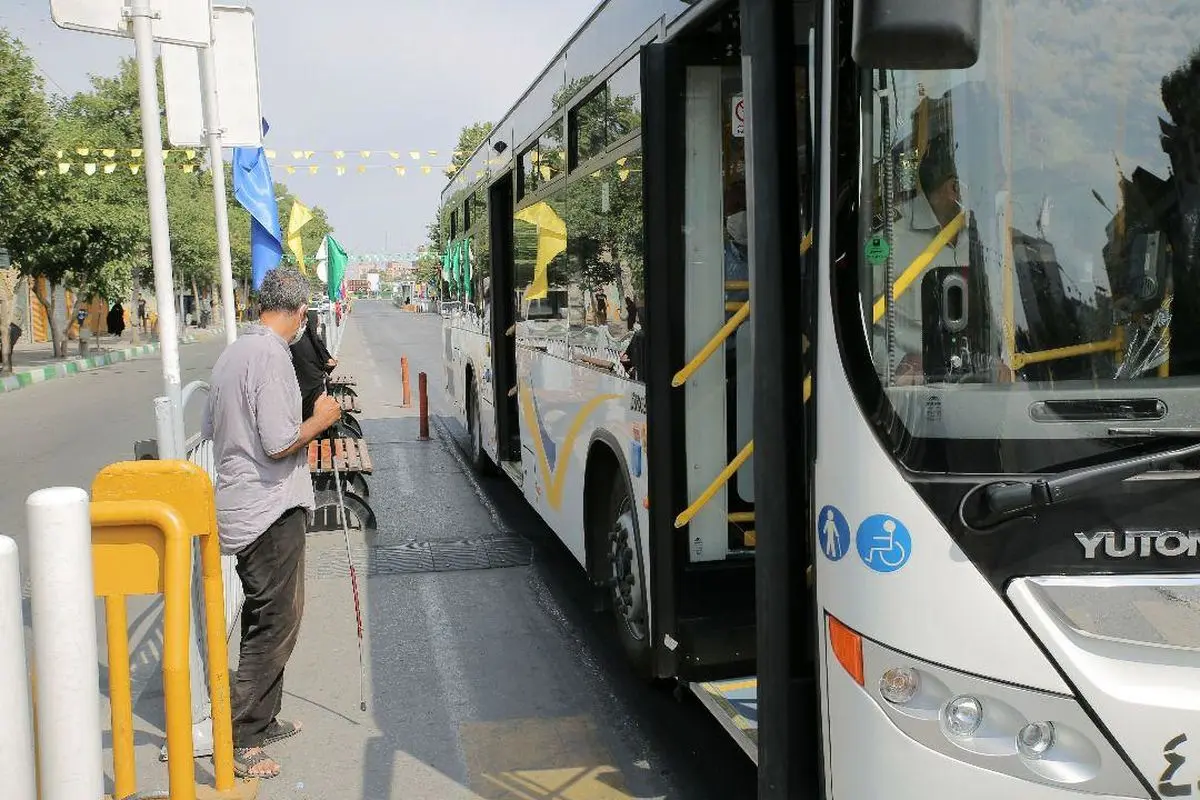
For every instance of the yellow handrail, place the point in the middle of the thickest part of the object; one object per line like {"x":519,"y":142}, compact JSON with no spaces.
{"x":919,"y":264}
{"x":686,"y":515}
{"x":1021,"y":360}
{"x":718,"y":338}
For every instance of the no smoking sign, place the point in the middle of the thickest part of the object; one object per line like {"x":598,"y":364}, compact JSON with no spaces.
{"x":739,"y":116}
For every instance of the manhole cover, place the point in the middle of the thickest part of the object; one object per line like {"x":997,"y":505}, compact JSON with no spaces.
{"x":445,"y":555}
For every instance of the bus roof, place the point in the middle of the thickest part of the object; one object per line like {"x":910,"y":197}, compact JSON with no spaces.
{"x":611,"y":28}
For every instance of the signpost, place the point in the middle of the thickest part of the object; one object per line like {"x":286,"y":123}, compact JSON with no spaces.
{"x":217,"y":104}
{"x":181,"y":22}
{"x":175,"y":21}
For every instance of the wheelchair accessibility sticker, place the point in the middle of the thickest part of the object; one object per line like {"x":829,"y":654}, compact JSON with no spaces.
{"x":833,"y":532}
{"x":884,"y":544}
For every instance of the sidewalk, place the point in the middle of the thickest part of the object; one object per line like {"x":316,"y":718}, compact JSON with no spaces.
{"x":35,"y":363}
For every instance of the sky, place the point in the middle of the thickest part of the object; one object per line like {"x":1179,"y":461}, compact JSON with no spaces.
{"x":378,"y":75}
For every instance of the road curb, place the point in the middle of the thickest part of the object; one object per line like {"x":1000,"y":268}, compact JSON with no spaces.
{"x":65,"y":369}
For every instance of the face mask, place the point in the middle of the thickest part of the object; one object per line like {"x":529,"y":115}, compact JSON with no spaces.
{"x":299,"y":334}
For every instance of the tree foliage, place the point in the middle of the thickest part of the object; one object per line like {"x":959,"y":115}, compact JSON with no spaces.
{"x":90,"y":232}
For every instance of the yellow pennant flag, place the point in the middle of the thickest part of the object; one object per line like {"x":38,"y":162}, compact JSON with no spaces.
{"x":297,"y":219}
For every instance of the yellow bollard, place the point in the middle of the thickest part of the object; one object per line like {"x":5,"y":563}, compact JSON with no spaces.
{"x":144,"y":517}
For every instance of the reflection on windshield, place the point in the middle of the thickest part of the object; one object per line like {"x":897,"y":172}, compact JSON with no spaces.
{"x":1036,"y":219}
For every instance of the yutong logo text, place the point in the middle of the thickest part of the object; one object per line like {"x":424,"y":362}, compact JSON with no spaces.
{"x":1140,"y":544}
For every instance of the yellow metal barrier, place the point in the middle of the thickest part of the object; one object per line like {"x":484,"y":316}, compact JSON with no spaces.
{"x":144,"y":517}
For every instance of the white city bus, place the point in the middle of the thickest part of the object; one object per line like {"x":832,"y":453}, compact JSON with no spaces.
{"x":976,"y":556}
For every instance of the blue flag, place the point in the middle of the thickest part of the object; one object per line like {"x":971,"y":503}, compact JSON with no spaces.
{"x":255,"y":191}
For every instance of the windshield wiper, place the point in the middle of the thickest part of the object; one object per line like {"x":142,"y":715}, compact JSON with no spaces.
{"x":995,"y":503}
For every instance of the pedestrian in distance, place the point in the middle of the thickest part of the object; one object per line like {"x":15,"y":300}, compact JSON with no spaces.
{"x":116,"y":319}
{"x":312,"y":363}
{"x":264,"y":495}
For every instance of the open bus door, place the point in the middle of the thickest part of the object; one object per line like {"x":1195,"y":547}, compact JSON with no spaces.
{"x":782,"y":295}
{"x":698,"y":208}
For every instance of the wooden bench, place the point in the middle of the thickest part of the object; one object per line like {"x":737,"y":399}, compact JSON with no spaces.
{"x":342,"y":380}
{"x":347,"y":459}
{"x":348,"y":403}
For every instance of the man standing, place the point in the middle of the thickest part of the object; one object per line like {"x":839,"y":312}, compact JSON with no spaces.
{"x":264,"y":494}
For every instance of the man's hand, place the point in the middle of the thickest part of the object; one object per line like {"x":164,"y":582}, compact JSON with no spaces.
{"x":326,"y":411}
{"x":332,"y":363}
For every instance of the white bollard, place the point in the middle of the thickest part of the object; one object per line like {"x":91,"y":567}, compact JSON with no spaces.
{"x":16,"y":723}
{"x":70,"y":744}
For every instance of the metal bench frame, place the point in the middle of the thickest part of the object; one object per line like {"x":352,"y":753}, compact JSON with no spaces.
{"x":353,"y":464}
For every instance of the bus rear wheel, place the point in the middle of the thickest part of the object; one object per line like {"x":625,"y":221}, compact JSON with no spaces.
{"x":627,"y":577}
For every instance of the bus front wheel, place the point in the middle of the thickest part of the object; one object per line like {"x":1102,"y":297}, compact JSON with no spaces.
{"x":627,"y":577}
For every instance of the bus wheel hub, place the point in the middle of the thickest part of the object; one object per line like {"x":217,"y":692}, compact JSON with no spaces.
{"x":627,"y":592}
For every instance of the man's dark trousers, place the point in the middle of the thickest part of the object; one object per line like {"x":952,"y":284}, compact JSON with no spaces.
{"x":272,"y":573}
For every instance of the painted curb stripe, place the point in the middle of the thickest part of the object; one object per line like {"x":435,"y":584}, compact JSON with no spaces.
{"x":73,"y":367}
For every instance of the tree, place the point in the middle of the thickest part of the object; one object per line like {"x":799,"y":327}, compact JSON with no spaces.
{"x":469,"y":140}
{"x":24,"y":142}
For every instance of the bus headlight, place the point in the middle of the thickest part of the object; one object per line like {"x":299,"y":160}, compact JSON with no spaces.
{"x":962,"y":716}
{"x":899,"y":685}
{"x":1035,"y":740}
{"x":1030,"y":734}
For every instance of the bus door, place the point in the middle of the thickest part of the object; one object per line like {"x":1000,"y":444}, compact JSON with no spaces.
{"x":717,"y":375}
{"x":503,"y":330}
{"x":714,"y":379}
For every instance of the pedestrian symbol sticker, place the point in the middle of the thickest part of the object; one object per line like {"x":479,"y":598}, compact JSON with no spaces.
{"x":883,"y":543}
{"x":833,"y":532}
{"x":877,"y":250}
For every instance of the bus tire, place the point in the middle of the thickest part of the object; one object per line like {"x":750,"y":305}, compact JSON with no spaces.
{"x":627,"y":576}
{"x":480,"y":461}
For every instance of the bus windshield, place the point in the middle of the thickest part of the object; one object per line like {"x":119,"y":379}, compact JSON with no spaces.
{"x":1030,"y":232}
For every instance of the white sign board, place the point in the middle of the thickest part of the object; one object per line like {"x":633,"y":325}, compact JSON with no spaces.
{"x":235,"y":57}
{"x":179,"y":21}
{"x":739,"y":117}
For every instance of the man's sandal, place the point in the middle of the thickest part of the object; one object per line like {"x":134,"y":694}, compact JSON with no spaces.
{"x":245,"y":761}
{"x":280,"y":729}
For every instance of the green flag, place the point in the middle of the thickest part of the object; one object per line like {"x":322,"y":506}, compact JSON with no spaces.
{"x":466,"y":249}
{"x":337,"y":267}
{"x":455,"y":265}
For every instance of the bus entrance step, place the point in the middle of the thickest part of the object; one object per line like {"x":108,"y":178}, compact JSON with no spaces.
{"x":513,"y":470}
{"x":734,"y":703}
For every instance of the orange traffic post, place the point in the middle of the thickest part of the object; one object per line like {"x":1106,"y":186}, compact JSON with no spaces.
{"x":423,"y":398}
{"x":407,"y":401}
{"x":145,"y":516}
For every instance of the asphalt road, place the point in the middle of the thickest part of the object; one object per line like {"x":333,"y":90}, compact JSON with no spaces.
{"x":62,"y":432}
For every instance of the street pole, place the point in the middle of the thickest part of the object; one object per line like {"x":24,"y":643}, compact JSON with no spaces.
{"x":212,"y":129}
{"x":160,"y":237}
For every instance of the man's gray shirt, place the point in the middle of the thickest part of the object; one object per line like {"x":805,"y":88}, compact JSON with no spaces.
{"x":254,"y":410}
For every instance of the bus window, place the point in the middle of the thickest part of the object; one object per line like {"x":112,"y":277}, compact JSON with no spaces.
{"x":603,"y":209}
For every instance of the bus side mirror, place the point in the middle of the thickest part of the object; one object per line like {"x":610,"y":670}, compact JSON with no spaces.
{"x":916,"y":34}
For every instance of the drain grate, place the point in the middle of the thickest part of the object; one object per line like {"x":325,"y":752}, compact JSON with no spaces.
{"x":439,"y":555}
